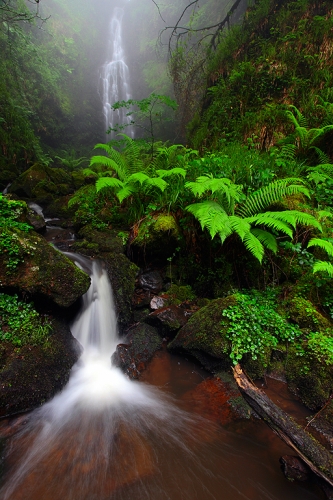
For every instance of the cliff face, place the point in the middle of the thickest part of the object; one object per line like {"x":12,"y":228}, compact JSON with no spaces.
{"x":280,"y":55}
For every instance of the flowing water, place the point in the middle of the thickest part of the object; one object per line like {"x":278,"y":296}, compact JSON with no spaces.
{"x":105,"y":437}
{"x":115,"y":78}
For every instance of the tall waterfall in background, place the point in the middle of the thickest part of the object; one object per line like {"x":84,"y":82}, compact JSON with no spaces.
{"x":115,"y":80}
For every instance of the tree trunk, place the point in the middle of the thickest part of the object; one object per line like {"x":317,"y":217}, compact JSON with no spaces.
{"x":318,"y":459}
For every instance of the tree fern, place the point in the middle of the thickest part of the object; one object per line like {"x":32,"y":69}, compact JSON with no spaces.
{"x":324,"y":244}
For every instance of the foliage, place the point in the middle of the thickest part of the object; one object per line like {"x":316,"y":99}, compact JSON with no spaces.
{"x":228,"y":211}
{"x":145,"y":114}
{"x":327,"y":246}
{"x":254,"y":327}
{"x":20,"y":323}
{"x":320,"y":345}
{"x":11,"y":212}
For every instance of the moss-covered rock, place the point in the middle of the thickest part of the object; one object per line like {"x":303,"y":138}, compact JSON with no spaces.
{"x":122,"y":273}
{"x":202,"y":336}
{"x":41,"y":183}
{"x":41,"y":271}
{"x":302,"y":312}
{"x":310,"y":378}
{"x":107,"y":240}
{"x":31,"y":375}
{"x":158,"y":236}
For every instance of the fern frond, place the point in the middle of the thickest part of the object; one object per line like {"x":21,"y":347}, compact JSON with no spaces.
{"x":104,"y":160}
{"x":108,"y":182}
{"x":210,"y":215}
{"x":172,"y":171}
{"x":87,"y":172}
{"x":156,"y":182}
{"x":270,"y":194}
{"x":323,"y":157}
{"x":266,"y":238}
{"x":254,"y":246}
{"x":323,"y":266}
{"x":106,"y":147}
{"x":126,"y":191}
{"x":137,"y":177}
{"x":270,"y":219}
{"x":324,"y":244}
{"x":239,"y":226}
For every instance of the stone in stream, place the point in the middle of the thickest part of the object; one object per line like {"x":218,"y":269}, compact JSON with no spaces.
{"x":139,"y":346}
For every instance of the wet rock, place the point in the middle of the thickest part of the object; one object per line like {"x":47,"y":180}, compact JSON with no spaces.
{"x":141,"y":298}
{"x":42,"y":271}
{"x":151,"y":281}
{"x":158,"y":302}
{"x":37,"y":221}
{"x":169,"y":319}
{"x":31,"y":375}
{"x":294,"y":468}
{"x":107,"y":241}
{"x":122,"y":273}
{"x":139,"y":346}
{"x":201,"y":336}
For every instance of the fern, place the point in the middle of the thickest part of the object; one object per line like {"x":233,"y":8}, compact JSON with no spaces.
{"x":323,"y":266}
{"x":324,"y":244}
{"x":273,"y":192}
{"x":108,"y":182}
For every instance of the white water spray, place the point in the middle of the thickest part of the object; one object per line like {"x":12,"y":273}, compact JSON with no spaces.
{"x":115,"y":79}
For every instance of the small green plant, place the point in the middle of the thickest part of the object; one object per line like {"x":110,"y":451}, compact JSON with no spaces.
{"x":10,"y":224}
{"x":254,"y":327}
{"x":20,"y":323}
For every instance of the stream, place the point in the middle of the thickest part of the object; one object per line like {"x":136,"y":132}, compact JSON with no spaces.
{"x":105,"y":437}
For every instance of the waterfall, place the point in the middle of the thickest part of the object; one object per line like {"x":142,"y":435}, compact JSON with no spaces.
{"x":103,"y":431}
{"x":115,"y":80}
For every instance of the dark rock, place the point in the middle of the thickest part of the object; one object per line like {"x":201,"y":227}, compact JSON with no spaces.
{"x":37,"y":221}
{"x":141,"y":298}
{"x":31,"y":375}
{"x":107,"y":241}
{"x":122,"y":273}
{"x":294,"y":468}
{"x":201,"y":336}
{"x":151,"y":280}
{"x":138,"y":348}
{"x":43,"y":272}
{"x":169,"y":319}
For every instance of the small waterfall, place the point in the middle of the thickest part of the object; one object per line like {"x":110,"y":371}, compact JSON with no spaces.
{"x":115,"y":80}
{"x":103,"y":432}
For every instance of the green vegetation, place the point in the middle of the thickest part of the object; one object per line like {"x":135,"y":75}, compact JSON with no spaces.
{"x":11,"y":212}
{"x":20,"y":323}
{"x":254,"y":327}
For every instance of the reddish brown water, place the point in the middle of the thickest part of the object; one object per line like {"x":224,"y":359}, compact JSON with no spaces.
{"x":234,"y":461}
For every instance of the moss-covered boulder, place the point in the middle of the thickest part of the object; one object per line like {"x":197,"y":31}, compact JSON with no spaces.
{"x":201,"y":337}
{"x":42,"y":183}
{"x":302,"y":312}
{"x":156,"y":236}
{"x":32,"y":374}
{"x":104,"y":240}
{"x":28,"y":264}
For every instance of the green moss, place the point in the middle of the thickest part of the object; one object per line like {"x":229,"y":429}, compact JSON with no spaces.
{"x":303,"y":312}
{"x":152,"y":229}
{"x":180,"y":293}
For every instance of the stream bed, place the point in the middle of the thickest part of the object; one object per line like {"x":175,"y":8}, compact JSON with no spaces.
{"x":105,"y":437}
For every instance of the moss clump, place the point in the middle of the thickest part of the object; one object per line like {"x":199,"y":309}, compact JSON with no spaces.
{"x":154,"y":229}
{"x":180,"y":293}
{"x":303,"y":312}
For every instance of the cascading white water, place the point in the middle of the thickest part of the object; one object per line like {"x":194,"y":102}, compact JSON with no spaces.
{"x":96,"y":436}
{"x":115,"y":78}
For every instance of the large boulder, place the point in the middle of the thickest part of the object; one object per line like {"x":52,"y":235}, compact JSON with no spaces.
{"x":32,"y":374}
{"x":40,"y":270}
{"x":42,"y":183}
{"x":201,"y":337}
